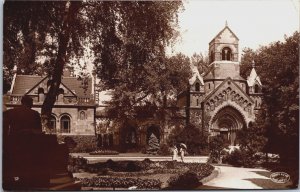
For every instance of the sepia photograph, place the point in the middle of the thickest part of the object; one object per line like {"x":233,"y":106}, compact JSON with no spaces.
{"x":150,"y":95}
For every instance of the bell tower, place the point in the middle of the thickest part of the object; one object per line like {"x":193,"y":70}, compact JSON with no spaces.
{"x":223,"y":54}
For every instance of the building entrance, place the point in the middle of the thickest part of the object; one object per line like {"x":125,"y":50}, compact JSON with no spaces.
{"x":227,"y":122}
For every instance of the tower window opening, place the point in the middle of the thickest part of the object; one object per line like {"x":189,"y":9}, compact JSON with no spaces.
{"x":197,"y":87}
{"x":226,"y":54}
{"x":256,"y":89}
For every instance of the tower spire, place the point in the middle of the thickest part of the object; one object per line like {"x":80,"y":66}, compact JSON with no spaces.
{"x":226,"y":24}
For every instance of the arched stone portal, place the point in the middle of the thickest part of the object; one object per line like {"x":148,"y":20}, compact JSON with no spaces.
{"x":227,"y":122}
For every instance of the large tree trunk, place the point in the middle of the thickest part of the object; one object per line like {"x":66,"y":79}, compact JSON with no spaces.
{"x":72,"y":8}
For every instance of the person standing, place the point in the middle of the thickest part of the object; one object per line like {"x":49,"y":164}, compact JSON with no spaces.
{"x":175,"y":153}
{"x":181,"y":151}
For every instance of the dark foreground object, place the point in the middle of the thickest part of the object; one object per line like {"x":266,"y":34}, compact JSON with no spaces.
{"x":36,"y":162}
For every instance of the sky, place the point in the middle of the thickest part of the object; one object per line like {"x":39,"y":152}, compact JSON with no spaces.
{"x":255,"y":22}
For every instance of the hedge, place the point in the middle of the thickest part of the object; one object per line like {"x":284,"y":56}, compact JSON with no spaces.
{"x":82,"y":143}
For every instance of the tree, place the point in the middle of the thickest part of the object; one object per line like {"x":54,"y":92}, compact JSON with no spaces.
{"x":127,"y":40}
{"x":201,"y":62}
{"x":153,"y":144}
{"x":191,"y":136}
{"x":278,"y":67}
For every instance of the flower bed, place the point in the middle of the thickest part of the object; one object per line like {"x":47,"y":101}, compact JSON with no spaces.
{"x":120,"y":182}
{"x":104,"y":152}
{"x":129,"y":173}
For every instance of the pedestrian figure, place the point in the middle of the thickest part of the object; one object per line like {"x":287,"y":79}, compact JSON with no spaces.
{"x":181,"y":151}
{"x":175,"y":153}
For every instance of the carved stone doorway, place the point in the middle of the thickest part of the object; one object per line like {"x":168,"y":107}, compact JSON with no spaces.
{"x":227,"y":122}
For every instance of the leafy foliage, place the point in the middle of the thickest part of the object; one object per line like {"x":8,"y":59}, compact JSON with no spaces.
{"x":153,"y":145}
{"x":278,"y":67}
{"x":127,"y":42}
{"x":187,"y":180}
{"x":216,"y":145}
{"x":191,"y":135}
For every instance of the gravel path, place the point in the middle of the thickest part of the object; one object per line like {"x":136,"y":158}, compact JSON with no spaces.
{"x":243,"y":178}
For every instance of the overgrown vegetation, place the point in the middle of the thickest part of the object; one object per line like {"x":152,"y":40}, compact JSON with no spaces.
{"x":190,"y":135}
{"x":278,"y":67}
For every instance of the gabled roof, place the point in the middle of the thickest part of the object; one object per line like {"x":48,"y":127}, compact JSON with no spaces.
{"x":25,"y":83}
{"x":196,"y":75}
{"x":253,"y":77}
{"x":221,"y":85}
{"x":226,"y":27}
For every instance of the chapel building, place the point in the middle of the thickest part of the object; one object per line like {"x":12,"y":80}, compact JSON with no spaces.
{"x":221,"y":101}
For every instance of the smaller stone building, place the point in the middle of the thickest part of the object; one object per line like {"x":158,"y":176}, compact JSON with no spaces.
{"x":74,"y":110}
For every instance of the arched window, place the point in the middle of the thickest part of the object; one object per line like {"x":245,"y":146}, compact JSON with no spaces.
{"x":82,"y":115}
{"x":197,"y":102}
{"x":52,"y":122}
{"x":226,"y":54}
{"x":197,"y":87}
{"x":208,"y":85}
{"x":65,"y":124}
{"x":41,"y":94}
{"x":256,"y":89}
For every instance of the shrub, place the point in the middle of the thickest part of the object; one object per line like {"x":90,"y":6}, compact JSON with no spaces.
{"x":104,"y":152}
{"x":120,"y":182}
{"x":164,"y":150}
{"x":83,"y":143}
{"x":133,"y":166}
{"x":195,"y":140}
{"x":216,"y":145}
{"x":153,"y":145}
{"x":187,"y":180}
{"x":76,"y":164}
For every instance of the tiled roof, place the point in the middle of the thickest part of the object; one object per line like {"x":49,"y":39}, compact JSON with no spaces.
{"x":24,"y":83}
{"x":76,"y":86}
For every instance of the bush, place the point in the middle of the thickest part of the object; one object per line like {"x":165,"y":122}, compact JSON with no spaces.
{"x":120,"y":182}
{"x":153,"y":145}
{"x":82,"y":143}
{"x":187,"y":180}
{"x":104,"y":152}
{"x":164,"y":150}
{"x":76,"y":164}
{"x":195,"y":140}
{"x":241,"y":157}
{"x":216,"y":145}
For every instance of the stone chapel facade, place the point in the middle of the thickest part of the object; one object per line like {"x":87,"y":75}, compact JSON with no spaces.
{"x":221,"y":101}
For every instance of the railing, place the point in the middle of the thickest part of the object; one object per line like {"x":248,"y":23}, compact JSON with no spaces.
{"x":15,"y":99}
{"x":85,"y":100}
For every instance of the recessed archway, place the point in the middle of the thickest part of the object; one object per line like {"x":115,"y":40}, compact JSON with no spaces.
{"x":227,"y":122}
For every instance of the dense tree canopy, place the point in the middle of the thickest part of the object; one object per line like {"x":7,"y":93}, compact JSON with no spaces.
{"x":128,"y":41}
{"x":278,"y":67}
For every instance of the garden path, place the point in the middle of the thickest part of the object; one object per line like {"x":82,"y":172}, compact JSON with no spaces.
{"x":137,"y":157}
{"x":243,"y":178}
